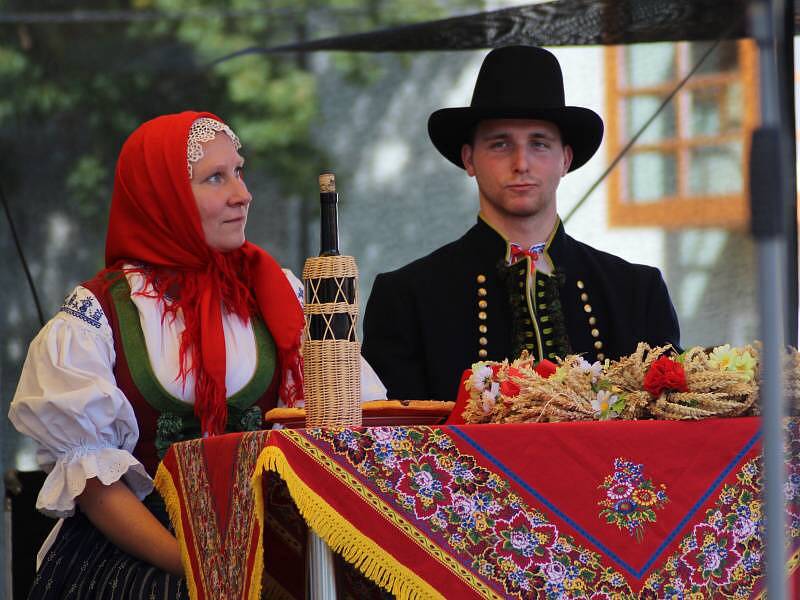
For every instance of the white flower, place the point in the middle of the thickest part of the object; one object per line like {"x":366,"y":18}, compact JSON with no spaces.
{"x":489,"y":398}
{"x":595,"y":369}
{"x":480,"y":377}
{"x":603,"y":404}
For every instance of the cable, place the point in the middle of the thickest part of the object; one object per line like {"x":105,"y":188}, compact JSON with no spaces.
{"x":21,"y":256}
{"x":127,"y":16}
{"x":652,"y":117}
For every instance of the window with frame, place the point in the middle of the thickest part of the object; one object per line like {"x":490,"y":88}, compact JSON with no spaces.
{"x":689,"y":167}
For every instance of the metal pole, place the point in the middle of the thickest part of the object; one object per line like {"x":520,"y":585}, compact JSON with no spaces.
{"x":768,"y":199}
{"x":786,"y":65}
{"x":320,"y":571}
{"x":6,"y":574}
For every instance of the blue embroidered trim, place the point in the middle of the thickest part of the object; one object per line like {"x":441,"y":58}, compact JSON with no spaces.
{"x":84,"y":308}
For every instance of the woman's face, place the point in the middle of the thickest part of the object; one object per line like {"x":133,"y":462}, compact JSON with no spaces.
{"x":221,"y":194}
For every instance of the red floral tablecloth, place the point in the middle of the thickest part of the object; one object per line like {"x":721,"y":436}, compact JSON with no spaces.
{"x":646,"y":509}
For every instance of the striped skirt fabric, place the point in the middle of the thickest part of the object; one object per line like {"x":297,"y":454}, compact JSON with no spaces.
{"x":82,"y":565}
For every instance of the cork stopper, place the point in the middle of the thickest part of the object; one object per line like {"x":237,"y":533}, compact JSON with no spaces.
{"x":327,"y":182}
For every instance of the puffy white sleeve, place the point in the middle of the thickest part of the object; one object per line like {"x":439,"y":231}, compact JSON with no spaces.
{"x":371,"y":386}
{"x":68,"y":402}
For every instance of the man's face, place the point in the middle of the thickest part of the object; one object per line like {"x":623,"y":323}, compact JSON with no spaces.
{"x":518,"y":164}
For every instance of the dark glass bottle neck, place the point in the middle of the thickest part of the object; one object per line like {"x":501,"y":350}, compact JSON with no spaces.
{"x":329,"y":224}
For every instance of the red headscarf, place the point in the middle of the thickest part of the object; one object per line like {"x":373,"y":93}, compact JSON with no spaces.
{"x":155,"y":221}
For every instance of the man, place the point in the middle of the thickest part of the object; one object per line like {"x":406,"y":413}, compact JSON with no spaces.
{"x":515,"y":281}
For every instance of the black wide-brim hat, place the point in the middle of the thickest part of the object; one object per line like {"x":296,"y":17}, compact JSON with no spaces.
{"x":518,"y":82}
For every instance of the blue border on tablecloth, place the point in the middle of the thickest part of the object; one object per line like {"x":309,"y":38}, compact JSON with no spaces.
{"x":552,"y":507}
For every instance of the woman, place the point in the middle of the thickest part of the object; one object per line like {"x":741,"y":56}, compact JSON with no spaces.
{"x":189,"y":330}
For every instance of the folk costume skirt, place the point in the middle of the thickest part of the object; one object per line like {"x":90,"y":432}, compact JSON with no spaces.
{"x":83,"y":564}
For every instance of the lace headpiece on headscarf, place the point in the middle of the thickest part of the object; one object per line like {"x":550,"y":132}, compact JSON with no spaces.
{"x":204,"y":130}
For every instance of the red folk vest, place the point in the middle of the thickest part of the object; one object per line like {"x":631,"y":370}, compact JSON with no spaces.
{"x":162,"y":418}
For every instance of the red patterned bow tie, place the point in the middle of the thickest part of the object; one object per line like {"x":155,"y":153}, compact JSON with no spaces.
{"x":518,"y":253}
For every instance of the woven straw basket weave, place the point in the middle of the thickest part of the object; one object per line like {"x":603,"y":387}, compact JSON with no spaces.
{"x":332,"y":377}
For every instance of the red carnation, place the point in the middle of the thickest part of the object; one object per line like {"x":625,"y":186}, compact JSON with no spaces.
{"x":545,"y":368}
{"x":509,"y":389}
{"x":665,"y":375}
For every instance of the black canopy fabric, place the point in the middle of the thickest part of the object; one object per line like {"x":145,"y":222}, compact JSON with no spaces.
{"x":561,"y":23}
{"x":593,"y":22}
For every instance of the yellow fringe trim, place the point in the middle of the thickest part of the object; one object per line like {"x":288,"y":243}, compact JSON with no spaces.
{"x":258,"y":564}
{"x":166,"y":487}
{"x":356,"y":548}
{"x":376,"y":564}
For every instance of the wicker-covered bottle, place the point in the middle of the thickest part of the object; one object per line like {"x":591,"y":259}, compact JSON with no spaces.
{"x":331,"y":350}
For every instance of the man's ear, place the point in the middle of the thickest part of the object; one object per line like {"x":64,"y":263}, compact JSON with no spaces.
{"x":567,"y":159}
{"x":466,"y":158}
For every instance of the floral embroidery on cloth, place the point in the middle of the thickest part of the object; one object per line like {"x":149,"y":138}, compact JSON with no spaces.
{"x":475,"y":514}
{"x":82,"y":304}
{"x":472,"y":522}
{"x":472,"y":512}
{"x":723,"y":554}
{"x":631,"y":500}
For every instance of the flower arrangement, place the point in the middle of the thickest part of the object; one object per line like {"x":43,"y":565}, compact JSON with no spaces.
{"x":649,"y":383}
{"x":631,"y":499}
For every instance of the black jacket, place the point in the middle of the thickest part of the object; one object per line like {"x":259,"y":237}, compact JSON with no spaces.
{"x":431,"y":319}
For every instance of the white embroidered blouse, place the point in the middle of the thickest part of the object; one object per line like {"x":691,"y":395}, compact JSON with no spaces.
{"x":67,"y":399}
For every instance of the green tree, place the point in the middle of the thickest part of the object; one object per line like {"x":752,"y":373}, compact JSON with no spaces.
{"x":76,"y":81}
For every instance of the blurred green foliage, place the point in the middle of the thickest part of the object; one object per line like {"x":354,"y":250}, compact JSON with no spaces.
{"x":72,"y":91}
